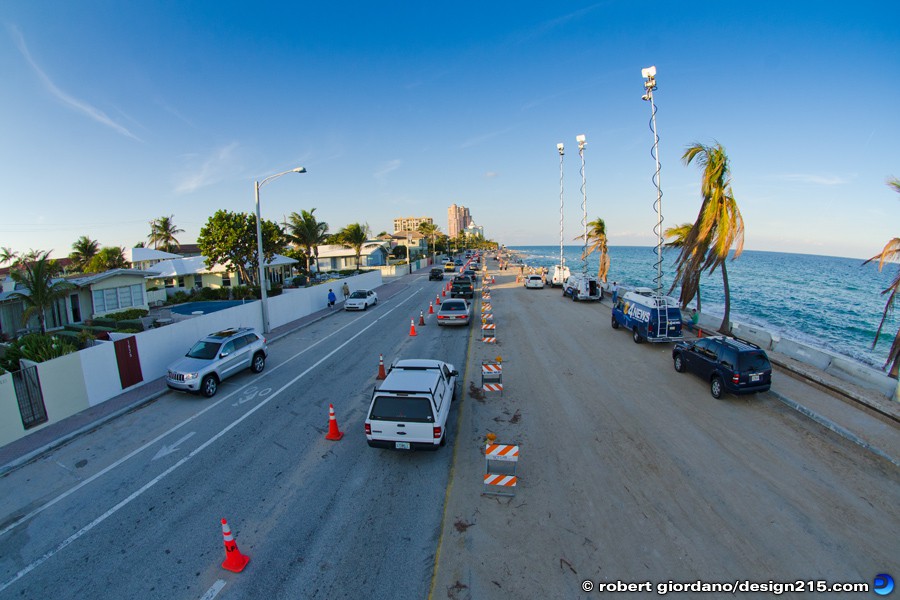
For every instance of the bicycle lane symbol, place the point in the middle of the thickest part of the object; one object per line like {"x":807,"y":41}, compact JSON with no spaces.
{"x":252,"y":393}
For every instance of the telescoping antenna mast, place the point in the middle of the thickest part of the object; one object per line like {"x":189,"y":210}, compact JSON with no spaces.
{"x":581,"y":144}
{"x":562,"y":260}
{"x":649,"y":75}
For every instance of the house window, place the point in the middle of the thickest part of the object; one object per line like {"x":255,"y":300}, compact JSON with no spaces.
{"x":181,"y":282}
{"x":198,"y":281}
{"x":226,"y":280}
{"x":112,"y":299}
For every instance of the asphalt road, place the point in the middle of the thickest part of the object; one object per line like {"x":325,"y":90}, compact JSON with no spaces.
{"x":632,"y":472}
{"x":134,"y":509}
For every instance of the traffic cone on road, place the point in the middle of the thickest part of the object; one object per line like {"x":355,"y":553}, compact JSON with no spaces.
{"x":412,"y":328}
{"x":334,"y":434}
{"x":234,"y":560}
{"x":421,"y":318}
{"x":437,"y":300}
{"x":444,"y":293}
{"x":430,"y":308}
{"x":381,"y":373}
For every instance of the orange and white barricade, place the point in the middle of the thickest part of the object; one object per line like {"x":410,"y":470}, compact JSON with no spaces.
{"x":500,"y":469}
{"x":492,"y":377}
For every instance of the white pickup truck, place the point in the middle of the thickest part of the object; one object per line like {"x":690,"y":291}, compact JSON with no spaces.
{"x":409,"y":410}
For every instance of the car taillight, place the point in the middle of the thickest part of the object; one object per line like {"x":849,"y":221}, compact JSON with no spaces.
{"x":437,"y":433}
{"x":441,"y":317}
{"x":368,"y":429}
{"x":735,"y":378}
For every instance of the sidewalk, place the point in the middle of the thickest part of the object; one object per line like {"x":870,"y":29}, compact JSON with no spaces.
{"x":52,"y":436}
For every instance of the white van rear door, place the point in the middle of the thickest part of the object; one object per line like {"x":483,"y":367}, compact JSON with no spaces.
{"x":402,"y":418}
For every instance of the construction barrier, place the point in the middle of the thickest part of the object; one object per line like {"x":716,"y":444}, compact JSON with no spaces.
{"x":488,"y":327}
{"x":492,"y":377}
{"x":486,"y":307}
{"x":500,"y":462}
{"x":489,"y":340}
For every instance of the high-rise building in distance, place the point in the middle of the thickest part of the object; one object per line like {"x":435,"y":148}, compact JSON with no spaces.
{"x":410,"y":223}
{"x":458,"y":218}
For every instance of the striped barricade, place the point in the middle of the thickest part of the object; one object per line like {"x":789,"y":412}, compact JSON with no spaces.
{"x":492,"y":377}
{"x":500,"y":469}
{"x":488,"y":327}
{"x":486,"y":307}
{"x":487,"y":317}
{"x":489,"y":339}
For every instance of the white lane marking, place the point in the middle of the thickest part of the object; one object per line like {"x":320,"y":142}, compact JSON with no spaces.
{"x":214,"y":590}
{"x":137,"y":493}
{"x":161,"y":436}
{"x":167,"y":450}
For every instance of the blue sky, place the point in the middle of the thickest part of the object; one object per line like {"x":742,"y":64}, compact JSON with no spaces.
{"x":115,"y":113}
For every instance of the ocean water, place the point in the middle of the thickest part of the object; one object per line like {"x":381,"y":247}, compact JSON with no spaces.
{"x":824,"y":301}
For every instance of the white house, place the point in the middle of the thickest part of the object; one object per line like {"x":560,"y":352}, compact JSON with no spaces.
{"x":334,"y":257}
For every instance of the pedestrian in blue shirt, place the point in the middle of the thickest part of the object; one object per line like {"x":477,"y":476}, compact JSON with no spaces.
{"x":331,"y":299}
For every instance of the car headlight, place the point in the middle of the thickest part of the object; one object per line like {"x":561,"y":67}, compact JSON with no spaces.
{"x":191,"y":376}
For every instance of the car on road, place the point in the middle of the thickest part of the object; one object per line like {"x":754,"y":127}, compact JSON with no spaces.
{"x":409,"y":410}
{"x":457,"y":262}
{"x":728,"y":364}
{"x":455,"y":311}
{"x":436,"y":274}
{"x":361,"y":299}
{"x":215,"y":358}
{"x":462,"y":287}
{"x":471,"y":274}
{"x":449,"y":266}
{"x":534,"y":282}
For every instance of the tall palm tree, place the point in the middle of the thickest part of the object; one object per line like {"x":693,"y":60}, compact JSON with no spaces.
{"x":8,"y":255}
{"x":430,"y":230}
{"x":83,"y":250}
{"x":307,"y":232}
{"x":677,"y":236}
{"x":162,"y":234}
{"x":37,"y":277}
{"x":718,"y":227}
{"x":355,"y":235}
{"x":890,"y":253}
{"x":596,"y":238}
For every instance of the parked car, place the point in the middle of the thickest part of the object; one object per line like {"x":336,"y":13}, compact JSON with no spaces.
{"x":436,"y":274}
{"x":728,"y":364}
{"x":454,"y":312}
{"x":217,"y":357}
{"x":361,"y":299}
{"x":409,"y":410}
{"x":534,"y":282}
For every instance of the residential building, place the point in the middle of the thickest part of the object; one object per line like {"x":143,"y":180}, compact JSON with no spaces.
{"x":191,"y":272}
{"x":458,"y":218}
{"x":410,"y":223}
{"x":474,"y":230}
{"x":335,"y":257}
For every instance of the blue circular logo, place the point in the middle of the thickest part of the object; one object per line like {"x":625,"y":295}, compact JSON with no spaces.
{"x":883,"y":584}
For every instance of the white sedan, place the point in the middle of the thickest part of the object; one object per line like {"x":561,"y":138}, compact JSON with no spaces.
{"x":534,"y":281}
{"x":361,"y":299}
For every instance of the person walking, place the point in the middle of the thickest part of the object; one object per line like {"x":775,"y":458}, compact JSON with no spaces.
{"x":331,"y":298}
{"x":345,"y":289}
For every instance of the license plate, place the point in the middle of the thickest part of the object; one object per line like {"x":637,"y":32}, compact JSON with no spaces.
{"x":401,"y":445}
{"x":754,"y":378}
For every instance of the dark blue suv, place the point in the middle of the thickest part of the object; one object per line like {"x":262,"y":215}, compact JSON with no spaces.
{"x":728,"y":364}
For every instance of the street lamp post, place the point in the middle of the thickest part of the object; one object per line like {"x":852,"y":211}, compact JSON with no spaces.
{"x":408,"y":261}
{"x":263,"y":296}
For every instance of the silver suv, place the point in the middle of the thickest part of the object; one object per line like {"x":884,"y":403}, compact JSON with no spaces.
{"x":217,"y":357}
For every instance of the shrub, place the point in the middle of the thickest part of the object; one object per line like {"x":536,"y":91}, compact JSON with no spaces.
{"x":243,"y":292}
{"x":36,"y":347}
{"x":180,"y":297}
{"x":125,"y":315}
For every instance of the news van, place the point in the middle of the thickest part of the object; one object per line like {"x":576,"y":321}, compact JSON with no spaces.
{"x":560,"y":275}
{"x":649,"y":316}
{"x":580,"y":287}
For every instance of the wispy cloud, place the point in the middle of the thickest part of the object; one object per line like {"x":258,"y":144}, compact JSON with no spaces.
{"x":79,"y":105}
{"x":387,"y":168}
{"x":222,"y":163}
{"x":480,"y":139}
{"x":491,"y":174}
{"x":815,"y":179}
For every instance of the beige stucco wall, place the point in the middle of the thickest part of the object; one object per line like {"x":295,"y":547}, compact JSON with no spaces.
{"x":11,"y":427}
{"x":62,"y":382}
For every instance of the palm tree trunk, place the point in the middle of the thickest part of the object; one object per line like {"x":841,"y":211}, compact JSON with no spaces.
{"x":698,"y":294}
{"x":725,"y":327}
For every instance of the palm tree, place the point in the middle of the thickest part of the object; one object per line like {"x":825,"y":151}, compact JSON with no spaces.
{"x":37,"y":276}
{"x":83,"y":250}
{"x":596,"y":238}
{"x":355,"y":235}
{"x":678,"y":235}
{"x":718,"y":227}
{"x":305,"y":231}
{"x":107,"y":259}
{"x":162,"y":234}
{"x":430,"y":230}
{"x":8,"y":255}
{"x":890,"y":253}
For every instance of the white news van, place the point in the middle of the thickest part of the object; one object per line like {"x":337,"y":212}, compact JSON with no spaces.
{"x":560,"y":276}
{"x":580,"y":287}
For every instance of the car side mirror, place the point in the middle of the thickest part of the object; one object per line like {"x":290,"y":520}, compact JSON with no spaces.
{"x":224,"y":354}
{"x":454,"y":373}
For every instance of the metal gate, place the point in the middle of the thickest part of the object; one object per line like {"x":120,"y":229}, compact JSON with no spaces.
{"x":30,"y":397}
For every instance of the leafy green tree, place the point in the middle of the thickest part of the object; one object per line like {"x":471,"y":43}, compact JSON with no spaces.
{"x":83,"y":251}
{"x":162,"y":234}
{"x":37,"y":276}
{"x":354,"y":236}
{"x":890,"y":253}
{"x":718,"y":227}
{"x":597,"y":241}
{"x":677,"y":235}
{"x":306,"y":231}
{"x":430,"y":230}
{"x":36,"y":347}
{"x":107,"y":259}
{"x":8,"y":255}
{"x":229,"y":239}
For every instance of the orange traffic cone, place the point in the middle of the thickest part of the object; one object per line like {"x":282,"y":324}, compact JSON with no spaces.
{"x":381,"y":373}
{"x":412,"y":328}
{"x":234,"y":560}
{"x":430,"y":308}
{"x":444,"y":293}
{"x":334,"y":434}
{"x":437,"y":299}
{"x":421,"y":318}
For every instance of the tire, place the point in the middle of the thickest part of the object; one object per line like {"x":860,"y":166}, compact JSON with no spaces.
{"x":209,"y":386}
{"x":365,"y":306}
{"x":636,"y":336}
{"x":444,"y":439}
{"x":375,"y":303}
{"x":258,"y":363}
{"x":615,"y":324}
{"x":717,"y":387}
{"x":678,"y":363}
